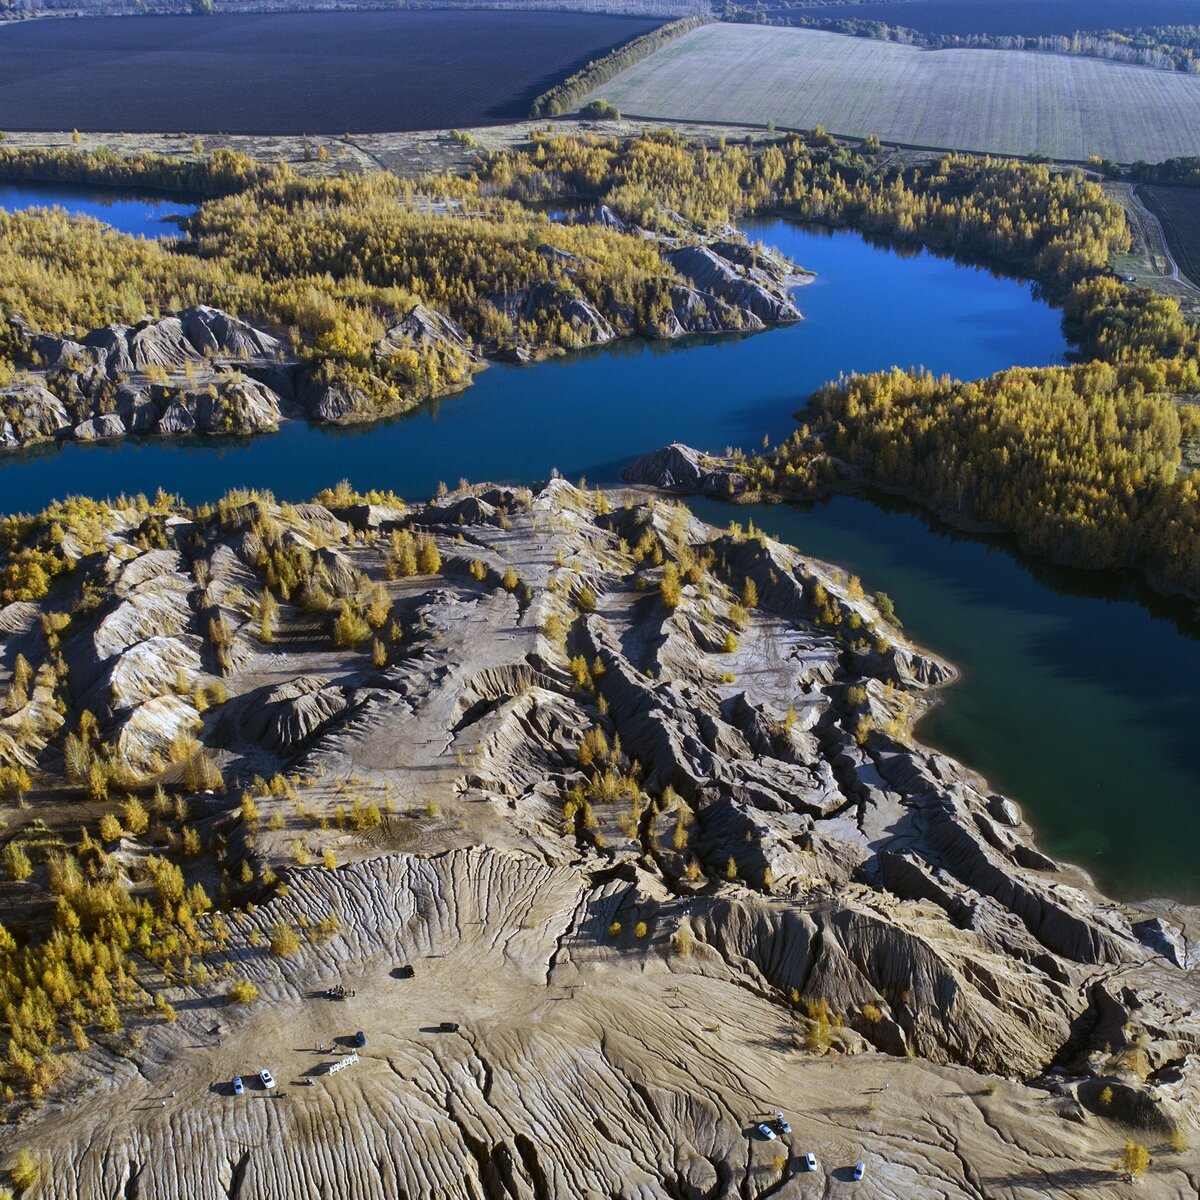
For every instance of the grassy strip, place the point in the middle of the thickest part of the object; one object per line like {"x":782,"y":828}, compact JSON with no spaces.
{"x":563,"y":96}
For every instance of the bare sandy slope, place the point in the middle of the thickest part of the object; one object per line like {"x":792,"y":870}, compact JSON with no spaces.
{"x":638,"y":980}
{"x":1009,"y":102}
{"x":577,"y":1070}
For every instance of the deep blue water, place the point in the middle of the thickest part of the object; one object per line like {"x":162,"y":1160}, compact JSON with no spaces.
{"x":141,"y":215}
{"x":1078,"y":693}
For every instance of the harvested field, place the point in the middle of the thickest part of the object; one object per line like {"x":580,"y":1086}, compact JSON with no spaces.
{"x":1003,"y":101}
{"x":1178,"y":208}
{"x":1024,"y":18}
{"x":293,"y":72}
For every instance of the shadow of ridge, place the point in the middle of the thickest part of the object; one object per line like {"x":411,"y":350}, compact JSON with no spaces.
{"x":1068,"y":1177}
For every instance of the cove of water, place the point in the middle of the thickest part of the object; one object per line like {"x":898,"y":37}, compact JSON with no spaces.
{"x":145,"y":216}
{"x":1077,"y":696}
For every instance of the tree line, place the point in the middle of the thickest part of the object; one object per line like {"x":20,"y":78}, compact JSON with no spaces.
{"x":215,"y":174}
{"x":565,"y":95}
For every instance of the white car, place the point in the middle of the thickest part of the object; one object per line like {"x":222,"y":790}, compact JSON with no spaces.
{"x":266,"y":1079}
{"x":766,"y":1131}
{"x":860,"y":1169}
{"x":238,"y":1089}
{"x":810,"y":1161}
{"x":782,"y":1122}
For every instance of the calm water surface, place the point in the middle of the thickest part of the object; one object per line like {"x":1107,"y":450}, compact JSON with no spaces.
{"x":146,"y":216}
{"x":1077,"y":698}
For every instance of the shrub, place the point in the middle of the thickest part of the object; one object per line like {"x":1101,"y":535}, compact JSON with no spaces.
{"x":134,"y":816}
{"x":14,"y":782}
{"x":614,"y":929}
{"x":97,"y":781}
{"x":600,"y":110}
{"x":16,"y":863}
{"x":1135,"y":1159}
{"x":669,"y":587}
{"x":641,"y":929}
{"x":242,"y":992}
{"x":555,"y":629}
{"x":350,"y":630}
{"x":887,"y":610}
{"x":679,"y":839}
{"x":25,"y":1170}
{"x":285,"y":941}
{"x":201,"y":774}
{"x":429,"y":559}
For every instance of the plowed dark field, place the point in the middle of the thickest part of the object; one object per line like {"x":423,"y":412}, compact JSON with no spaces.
{"x":356,"y":72}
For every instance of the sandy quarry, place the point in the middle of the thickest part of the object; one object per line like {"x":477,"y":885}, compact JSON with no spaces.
{"x":983,"y":994}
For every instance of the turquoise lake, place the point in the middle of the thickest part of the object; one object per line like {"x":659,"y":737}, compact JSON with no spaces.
{"x":1078,"y":691}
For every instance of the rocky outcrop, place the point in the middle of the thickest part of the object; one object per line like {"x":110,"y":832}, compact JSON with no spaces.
{"x":30,"y":414}
{"x":213,"y":333}
{"x":743,"y":287}
{"x":99,"y":429}
{"x":679,"y":468}
{"x":197,"y":336}
{"x":284,"y":718}
{"x":563,"y":303}
{"x":176,"y":375}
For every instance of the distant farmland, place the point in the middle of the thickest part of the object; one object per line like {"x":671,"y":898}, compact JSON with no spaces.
{"x":1005,"y":101}
{"x":1030,"y":18}
{"x":328,"y":72}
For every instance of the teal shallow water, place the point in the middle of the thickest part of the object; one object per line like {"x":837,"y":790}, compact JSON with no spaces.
{"x":1078,"y":692}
